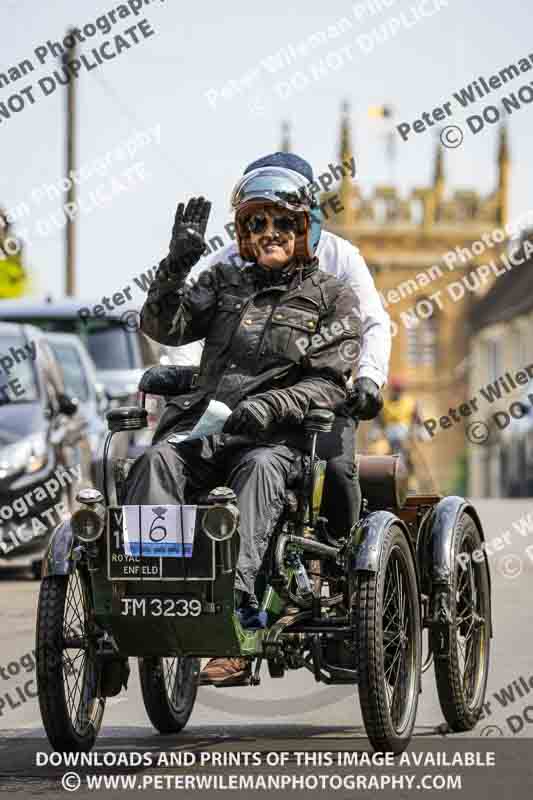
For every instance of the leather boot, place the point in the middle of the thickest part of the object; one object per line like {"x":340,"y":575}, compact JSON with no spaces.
{"x":226,"y":672}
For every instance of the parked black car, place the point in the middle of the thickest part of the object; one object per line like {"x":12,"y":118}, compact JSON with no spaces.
{"x":79,"y":375}
{"x":120,"y":351}
{"x":45,"y":456}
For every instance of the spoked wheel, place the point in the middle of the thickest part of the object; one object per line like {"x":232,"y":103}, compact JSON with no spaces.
{"x":66,"y":663}
{"x":169,"y":687}
{"x":462,"y":675}
{"x":386,"y":615}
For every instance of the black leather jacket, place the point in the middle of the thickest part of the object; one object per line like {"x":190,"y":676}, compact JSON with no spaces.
{"x":288,"y":338}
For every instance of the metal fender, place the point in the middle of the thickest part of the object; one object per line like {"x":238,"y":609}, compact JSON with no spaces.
{"x":436,"y":542}
{"x":436,"y":539}
{"x":58,"y":560}
{"x":366,"y":541}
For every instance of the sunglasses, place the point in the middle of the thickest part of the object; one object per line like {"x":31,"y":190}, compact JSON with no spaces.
{"x":258,"y":223}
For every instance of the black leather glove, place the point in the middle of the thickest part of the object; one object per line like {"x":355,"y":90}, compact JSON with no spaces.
{"x":187,"y":243}
{"x":250,"y":418}
{"x":365,"y":400}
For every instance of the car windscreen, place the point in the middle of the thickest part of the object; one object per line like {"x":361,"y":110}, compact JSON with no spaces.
{"x":74,"y":375}
{"x":17,"y":371}
{"x":110,"y":347}
{"x":110,"y":343}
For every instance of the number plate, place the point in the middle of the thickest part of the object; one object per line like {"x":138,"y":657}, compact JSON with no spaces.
{"x":160,"y":607}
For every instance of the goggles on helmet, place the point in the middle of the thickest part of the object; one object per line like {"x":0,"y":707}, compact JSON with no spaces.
{"x":278,"y":185}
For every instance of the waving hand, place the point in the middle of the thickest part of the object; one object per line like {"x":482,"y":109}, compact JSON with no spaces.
{"x":187,"y":243}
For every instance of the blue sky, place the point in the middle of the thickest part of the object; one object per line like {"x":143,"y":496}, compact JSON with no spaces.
{"x":167,"y":80}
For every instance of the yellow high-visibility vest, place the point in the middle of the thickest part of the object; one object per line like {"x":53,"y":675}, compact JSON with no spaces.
{"x":13,"y":277}
{"x":399,"y":412}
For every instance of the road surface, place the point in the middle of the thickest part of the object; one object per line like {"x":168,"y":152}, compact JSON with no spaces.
{"x":293,"y":715}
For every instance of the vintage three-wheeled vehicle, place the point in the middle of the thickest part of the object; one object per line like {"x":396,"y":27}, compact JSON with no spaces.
{"x":350,"y":610}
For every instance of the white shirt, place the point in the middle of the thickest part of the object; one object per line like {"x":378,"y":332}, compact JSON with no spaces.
{"x":342,"y":259}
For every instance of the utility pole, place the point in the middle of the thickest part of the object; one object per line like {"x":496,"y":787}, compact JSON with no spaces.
{"x":70,"y":228}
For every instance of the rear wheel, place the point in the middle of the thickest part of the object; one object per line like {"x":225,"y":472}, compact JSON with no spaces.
{"x":66,"y":663}
{"x":462,"y":674}
{"x":386,"y":615}
{"x":169,"y":687}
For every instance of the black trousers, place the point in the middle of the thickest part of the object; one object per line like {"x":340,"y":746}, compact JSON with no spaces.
{"x":341,"y":502}
{"x":259,"y":475}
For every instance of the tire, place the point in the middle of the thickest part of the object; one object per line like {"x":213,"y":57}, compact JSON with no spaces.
{"x":389,"y":714}
{"x":70,"y":708}
{"x":169,"y":687}
{"x":470,"y":592}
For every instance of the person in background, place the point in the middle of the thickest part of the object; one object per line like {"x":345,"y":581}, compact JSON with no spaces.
{"x":401,"y":419}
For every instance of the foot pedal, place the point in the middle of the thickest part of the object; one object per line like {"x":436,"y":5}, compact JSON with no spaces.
{"x":245,"y":680}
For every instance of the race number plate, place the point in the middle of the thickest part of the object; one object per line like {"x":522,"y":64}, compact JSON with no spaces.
{"x":165,"y":531}
{"x":160,"y":607}
{"x":122,"y":566}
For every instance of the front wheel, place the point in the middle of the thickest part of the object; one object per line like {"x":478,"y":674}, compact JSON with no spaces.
{"x":386,"y":615}
{"x":67,"y":675}
{"x":169,"y":687}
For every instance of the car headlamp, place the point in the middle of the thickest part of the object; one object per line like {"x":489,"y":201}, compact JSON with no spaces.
{"x":220,"y":522}
{"x":88,"y":522}
{"x":27,"y":455}
{"x":222,"y":517}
